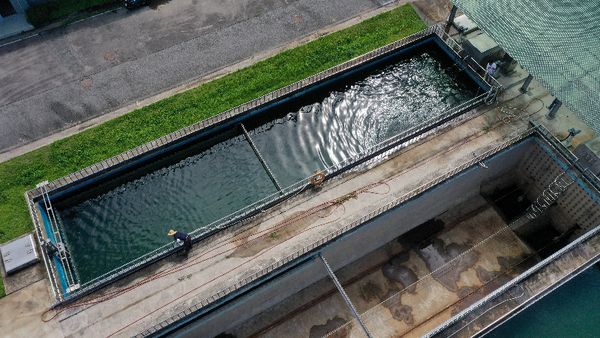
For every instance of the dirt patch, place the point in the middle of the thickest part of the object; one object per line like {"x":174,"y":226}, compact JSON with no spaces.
{"x":464,"y":291}
{"x":493,"y":279}
{"x":87,"y":82}
{"x":517,"y":264}
{"x":370,"y":291}
{"x":395,"y":271}
{"x":436,"y":257}
{"x":400,"y":312}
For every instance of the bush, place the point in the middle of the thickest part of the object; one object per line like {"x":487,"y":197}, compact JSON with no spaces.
{"x":72,"y":6}
{"x":40,"y":14}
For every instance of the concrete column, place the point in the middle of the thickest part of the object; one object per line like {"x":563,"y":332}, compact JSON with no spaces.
{"x":553,"y":109}
{"x":526,"y":84}
{"x":452,"y":15}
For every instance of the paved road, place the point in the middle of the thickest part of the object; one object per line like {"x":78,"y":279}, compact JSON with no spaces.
{"x":66,"y":76}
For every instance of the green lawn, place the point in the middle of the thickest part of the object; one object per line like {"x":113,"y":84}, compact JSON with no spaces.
{"x":146,"y":124}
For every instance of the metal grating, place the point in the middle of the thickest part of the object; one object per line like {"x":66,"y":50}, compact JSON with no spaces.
{"x":557,"y":41}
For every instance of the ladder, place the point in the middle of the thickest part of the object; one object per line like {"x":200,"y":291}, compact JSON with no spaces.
{"x":61,"y":253}
{"x":555,"y":189}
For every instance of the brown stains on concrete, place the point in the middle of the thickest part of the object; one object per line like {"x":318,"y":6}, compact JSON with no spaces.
{"x":464,"y":291}
{"x":370,"y":291}
{"x":395,"y":271}
{"x":491,"y":280}
{"x":433,"y":11}
{"x":318,"y":331}
{"x":517,"y":264}
{"x":437,"y":256}
{"x":87,"y":82}
{"x":252,"y":243}
{"x":400,"y":312}
{"x":484,"y":275}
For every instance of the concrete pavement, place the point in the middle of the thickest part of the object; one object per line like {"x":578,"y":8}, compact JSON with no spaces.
{"x":68,"y":75}
{"x":67,"y":79}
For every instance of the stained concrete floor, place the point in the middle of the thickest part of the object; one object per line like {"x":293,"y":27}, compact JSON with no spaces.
{"x":403,"y":289}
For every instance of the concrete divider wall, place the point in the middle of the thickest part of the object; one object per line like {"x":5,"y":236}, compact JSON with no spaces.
{"x":257,"y":301}
{"x":362,"y":241}
{"x":400,"y":220}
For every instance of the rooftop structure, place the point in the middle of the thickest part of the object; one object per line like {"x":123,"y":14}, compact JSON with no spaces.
{"x":556,"y":41}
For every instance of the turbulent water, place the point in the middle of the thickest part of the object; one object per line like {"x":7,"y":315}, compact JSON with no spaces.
{"x":109,"y":230}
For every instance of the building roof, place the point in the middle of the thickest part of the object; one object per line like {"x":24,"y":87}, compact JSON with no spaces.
{"x":557,"y":41}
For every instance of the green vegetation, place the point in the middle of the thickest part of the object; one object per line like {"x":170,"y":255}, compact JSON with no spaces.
{"x":344,"y":198}
{"x":143,"y":125}
{"x":40,"y":14}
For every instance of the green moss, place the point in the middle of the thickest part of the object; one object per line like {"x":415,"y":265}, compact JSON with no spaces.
{"x":146,"y":124}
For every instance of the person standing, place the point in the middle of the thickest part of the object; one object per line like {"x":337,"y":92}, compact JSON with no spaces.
{"x":180,"y":236}
{"x":490,"y":69}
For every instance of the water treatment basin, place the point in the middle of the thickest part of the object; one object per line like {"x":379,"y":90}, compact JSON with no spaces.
{"x":255,"y":271}
{"x":112,"y":218}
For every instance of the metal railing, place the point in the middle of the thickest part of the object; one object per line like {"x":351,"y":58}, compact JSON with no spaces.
{"x":567,"y":155}
{"x":336,"y":234}
{"x":501,"y":290}
{"x":553,"y":191}
{"x":466,"y":61}
{"x":345,"y":164}
{"x":260,"y":158}
{"x":50,"y":268}
{"x":62,"y":253}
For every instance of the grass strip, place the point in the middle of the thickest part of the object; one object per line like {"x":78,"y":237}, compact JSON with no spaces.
{"x":143,"y":125}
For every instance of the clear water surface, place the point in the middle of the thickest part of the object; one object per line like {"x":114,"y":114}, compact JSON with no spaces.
{"x":571,"y":311}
